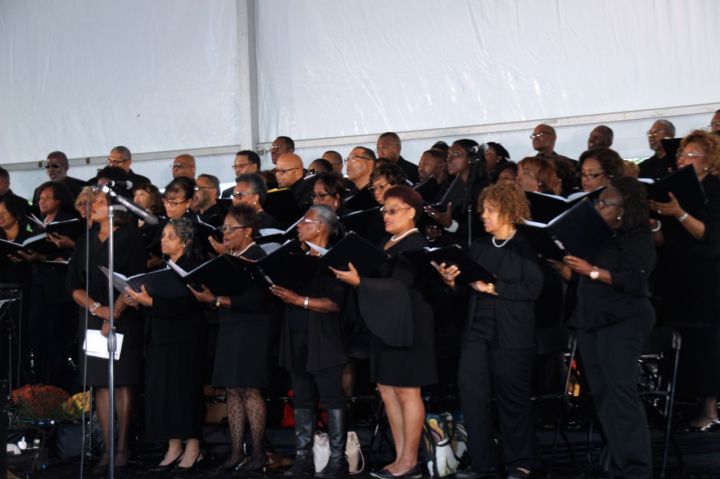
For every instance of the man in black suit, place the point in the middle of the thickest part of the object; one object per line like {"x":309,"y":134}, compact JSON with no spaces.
{"x":543,"y":141}
{"x":57,"y":167}
{"x":660,"y":164}
{"x":388,"y":147}
{"x":5,"y":191}
{"x":121,"y":157}
{"x":289,"y":173}
{"x":246,"y":161}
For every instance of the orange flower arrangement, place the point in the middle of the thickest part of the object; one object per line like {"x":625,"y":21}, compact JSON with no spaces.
{"x":40,"y":402}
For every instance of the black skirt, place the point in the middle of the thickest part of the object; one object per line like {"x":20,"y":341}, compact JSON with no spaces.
{"x":128,"y":369}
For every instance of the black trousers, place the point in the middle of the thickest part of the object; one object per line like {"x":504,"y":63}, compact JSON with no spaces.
{"x":610,"y":361}
{"x":309,"y":387}
{"x":486,"y":371}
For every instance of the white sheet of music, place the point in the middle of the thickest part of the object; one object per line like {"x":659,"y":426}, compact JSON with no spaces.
{"x":96,"y":344}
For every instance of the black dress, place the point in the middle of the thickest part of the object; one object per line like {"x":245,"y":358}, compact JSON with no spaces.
{"x":129,"y":260}
{"x":174,"y":360}
{"x":688,"y":282}
{"x":400,"y":320}
{"x":247,"y":336}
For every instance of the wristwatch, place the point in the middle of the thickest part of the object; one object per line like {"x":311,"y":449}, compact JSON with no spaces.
{"x":92,"y":309}
{"x":595,"y":273}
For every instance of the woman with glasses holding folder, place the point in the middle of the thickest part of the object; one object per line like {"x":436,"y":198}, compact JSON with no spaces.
{"x":688,"y":275}
{"x":313,"y":348}
{"x":498,"y":349}
{"x":247,"y":328}
{"x":400,"y":320}
{"x":175,"y":343}
{"x":614,"y":315}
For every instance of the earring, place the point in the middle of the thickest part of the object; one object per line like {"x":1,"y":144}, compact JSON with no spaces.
{"x":619,"y":218}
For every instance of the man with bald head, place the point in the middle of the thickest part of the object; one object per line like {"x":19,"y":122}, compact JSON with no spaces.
{"x":660,"y":164}
{"x":600,"y":137}
{"x":289,"y":174}
{"x":543,"y":141}
{"x":184,"y":165}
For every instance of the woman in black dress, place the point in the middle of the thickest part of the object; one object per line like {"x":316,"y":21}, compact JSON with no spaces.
{"x":688,"y":276}
{"x":247,"y":323}
{"x":614,"y":315}
{"x":313,"y":348}
{"x":400,"y":320}
{"x":93,"y":296}
{"x":498,"y":349}
{"x":175,"y":341}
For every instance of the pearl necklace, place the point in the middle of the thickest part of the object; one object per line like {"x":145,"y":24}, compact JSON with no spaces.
{"x":495,"y":244}
{"x":240,"y":253}
{"x":396,"y":238}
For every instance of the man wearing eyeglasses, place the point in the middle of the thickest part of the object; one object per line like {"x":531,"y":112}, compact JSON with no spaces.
{"x":56,"y":167}
{"x":204,"y":201}
{"x":184,"y":165}
{"x":289,"y":174}
{"x":543,"y":141}
{"x":280,"y":146}
{"x":120,"y":157}
{"x":660,"y":164}
{"x":246,"y":162}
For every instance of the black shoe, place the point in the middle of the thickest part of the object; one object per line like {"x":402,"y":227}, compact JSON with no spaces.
{"x":230,"y":466}
{"x":167,"y":467}
{"x":472,"y":474}
{"x":184,"y":470}
{"x":414,"y":472}
{"x":252,"y":465}
{"x":517,"y":473}
{"x":101,"y":467}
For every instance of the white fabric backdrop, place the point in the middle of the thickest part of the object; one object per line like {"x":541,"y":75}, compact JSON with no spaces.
{"x":85,"y":75}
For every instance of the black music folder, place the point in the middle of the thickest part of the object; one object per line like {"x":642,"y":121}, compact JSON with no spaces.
{"x":38,"y":243}
{"x":428,"y":190}
{"x":288,"y":266}
{"x":281,"y":204}
{"x":367,"y":223}
{"x":683,"y":183}
{"x":224,"y":275}
{"x":544,"y":207}
{"x":470,"y":270}
{"x":274,"y":235}
{"x":353,"y":248}
{"x":580,"y":231}
{"x":71,"y":228}
{"x":161,"y":283}
{"x":362,"y":200}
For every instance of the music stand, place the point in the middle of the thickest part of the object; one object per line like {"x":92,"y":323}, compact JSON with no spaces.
{"x":11,"y":293}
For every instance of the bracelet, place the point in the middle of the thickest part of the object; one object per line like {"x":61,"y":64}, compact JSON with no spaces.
{"x":491,"y":288}
{"x":657,"y":227}
{"x":217,"y":302}
{"x":92,"y":309}
{"x":306,"y":302}
{"x":683,"y":217}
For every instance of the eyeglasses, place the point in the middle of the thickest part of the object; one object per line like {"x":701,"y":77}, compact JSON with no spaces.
{"x":283,"y":171}
{"x":356,"y":158}
{"x":715,"y":124}
{"x":198,"y":188}
{"x":114,"y":162}
{"x":242,"y":194}
{"x":230,"y":229}
{"x":655,"y":134}
{"x":452,"y":156}
{"x":308,"y":221}
{"x":393,"y":211}
{"x":602,"y":204}
{"x":591,"y":176}
{"x":690,"y":155}
{"x":174,"y":203}
{"x":53,"y":166}
{"x":274,"y":147}
{"x":539,"y":134}
{"x":380,"y":188}
{"x":177,"y":166}
{"x":240,"y":165}
{"x":320,"y":196}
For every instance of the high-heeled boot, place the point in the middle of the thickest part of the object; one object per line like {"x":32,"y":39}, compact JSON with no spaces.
{"x":304,"y":432}
{"x":337,"y":465}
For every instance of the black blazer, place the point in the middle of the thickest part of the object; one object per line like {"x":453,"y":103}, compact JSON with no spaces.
{"x":630,"y":257}
{"x":518,"y":285}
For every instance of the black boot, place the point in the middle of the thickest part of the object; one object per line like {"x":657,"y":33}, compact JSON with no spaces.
{"x":337,"y":465}
{"x":304,"y":431}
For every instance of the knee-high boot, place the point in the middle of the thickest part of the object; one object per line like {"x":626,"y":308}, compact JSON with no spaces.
{"x":337,"y":465}
{"x":304,"y":432}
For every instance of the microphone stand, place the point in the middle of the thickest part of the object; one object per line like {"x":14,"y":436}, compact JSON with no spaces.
{"x":472,"y":176}
{"x":111,"y":339}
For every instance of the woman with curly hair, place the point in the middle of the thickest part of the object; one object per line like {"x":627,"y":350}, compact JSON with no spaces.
{"x":538,"y":174}
{"x":498,"y":349}
{"x":688,"y":275}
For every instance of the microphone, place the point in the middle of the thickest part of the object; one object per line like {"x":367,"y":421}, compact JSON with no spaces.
{"x":145,"y":215}
{"x":127,"y":184}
